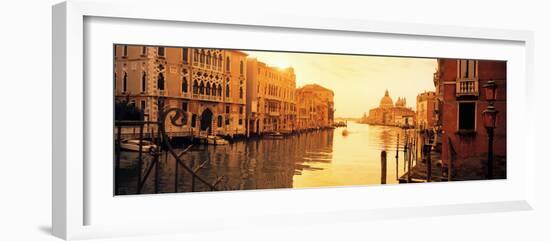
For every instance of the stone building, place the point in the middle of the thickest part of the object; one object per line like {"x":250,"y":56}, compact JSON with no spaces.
{"x":460,"y":105}
{"x":425,"y":110}
{"x":315,"y":107}
{"x":208,"y":84}
{"x":271,"y":99}
{"x":389,"y":114}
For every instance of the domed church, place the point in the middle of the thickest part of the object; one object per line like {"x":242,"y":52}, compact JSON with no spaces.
{"x":388,"y":114}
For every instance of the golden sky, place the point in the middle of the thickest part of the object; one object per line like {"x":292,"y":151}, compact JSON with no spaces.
{"x":358,"y":82}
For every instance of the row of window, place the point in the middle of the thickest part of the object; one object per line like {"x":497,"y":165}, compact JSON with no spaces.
{"x":202,"y":57}
{"x":202,"y":88}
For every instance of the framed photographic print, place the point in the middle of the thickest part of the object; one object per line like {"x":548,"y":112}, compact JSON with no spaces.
{"x":192,"y":118}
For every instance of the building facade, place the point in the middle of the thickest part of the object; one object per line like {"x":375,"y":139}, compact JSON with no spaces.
{"x":208,"y":84}
{"x":271,"y":98}
{"x":425,"y":110}
{"x":389,"y":114}
{"x":460,"y":104}
{"x":315,"y":107}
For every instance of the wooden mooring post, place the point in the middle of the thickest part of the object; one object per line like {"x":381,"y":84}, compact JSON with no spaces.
{"x":397,"y":147}
{"x":140,"y":159}
{"x":409,"y":166}
{"x":383,"y":164}
{"x":117,"y":160}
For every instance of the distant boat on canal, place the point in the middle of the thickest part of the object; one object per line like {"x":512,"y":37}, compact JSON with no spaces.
{"x":276,"y":135}
{"x":345,"y":132}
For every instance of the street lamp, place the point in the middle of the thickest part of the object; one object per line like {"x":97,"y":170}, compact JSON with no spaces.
{"x":490,"y":90}
{"x":489,"y":120}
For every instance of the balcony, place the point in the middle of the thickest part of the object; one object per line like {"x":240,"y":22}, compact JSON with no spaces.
{"x":274,"y":113}
{"x":467,"y":87}
{"x":206,"y":97}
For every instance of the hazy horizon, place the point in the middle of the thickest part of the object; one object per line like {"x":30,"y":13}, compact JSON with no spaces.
{"x":358,"y":82}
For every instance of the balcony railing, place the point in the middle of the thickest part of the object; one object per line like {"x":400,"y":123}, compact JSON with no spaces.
{"x":467,"y":87}
{"x":206,"y":97}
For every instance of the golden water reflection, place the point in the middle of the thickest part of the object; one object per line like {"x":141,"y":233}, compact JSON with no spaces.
{"x":315,"y":159}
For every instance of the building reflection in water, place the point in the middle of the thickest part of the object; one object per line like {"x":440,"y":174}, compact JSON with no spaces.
{"x":314,"y":159}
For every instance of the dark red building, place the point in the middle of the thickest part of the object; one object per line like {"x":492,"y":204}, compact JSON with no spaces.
{"x":460,"y":104}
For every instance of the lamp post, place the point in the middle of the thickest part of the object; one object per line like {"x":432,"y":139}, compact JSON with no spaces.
{"x":489,"y":120}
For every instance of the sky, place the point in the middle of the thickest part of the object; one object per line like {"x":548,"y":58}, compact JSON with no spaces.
{"x":358,"y":82}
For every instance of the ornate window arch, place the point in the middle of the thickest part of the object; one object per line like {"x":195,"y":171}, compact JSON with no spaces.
{"x":184,"y":84}
{"x":201,"y":88}
{"x":125,"y":82}
{"x":241,"y":68}
{"x":227,"y":64}
{"x":220,"y":121}
{"x":208,"y":88}
{"x":143,"y":81}
{"x":160,"y":81}
{"x":195,"y":87}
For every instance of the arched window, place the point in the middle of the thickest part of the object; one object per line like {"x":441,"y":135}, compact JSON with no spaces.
{"x":214,"y":89}
{"x":201,"y":57}
{"x":208,"y":58}
{"x":219,"y":90}
{"x":241,"y":68}
{"x":207,"y":89}
{"x":220,"y":121}
{"x":220,"y":61}
{"x":161,"y":51}
{"x":184,"y":54}
{"x":214,"y":61}
{"x":196,"y":55}
{"x":125,"y":82}
{"x":241,"y":92}
{"x":195,"y":87}
{"x":227,"y":63}
{"x":184,"y":85}
{"x":160,"y":81}
{"x":143,"y":81}
{"x":201,"y":88}
{"x":115,"y":79}
{"x":227,"y":91}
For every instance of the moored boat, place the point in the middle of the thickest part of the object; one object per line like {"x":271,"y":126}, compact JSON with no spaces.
{"x":133,"y":145}
{"x":216,"y":140}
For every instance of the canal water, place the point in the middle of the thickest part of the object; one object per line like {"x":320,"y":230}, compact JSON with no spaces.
{"x":315,"y":159}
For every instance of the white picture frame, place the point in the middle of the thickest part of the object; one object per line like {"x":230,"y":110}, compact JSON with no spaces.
{"x":72,"y":193}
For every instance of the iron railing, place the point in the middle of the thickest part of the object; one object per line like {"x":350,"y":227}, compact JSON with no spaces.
{"x":163,"y":143}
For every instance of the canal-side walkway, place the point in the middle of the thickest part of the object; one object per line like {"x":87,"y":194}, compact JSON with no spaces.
{"x":419,"y":171}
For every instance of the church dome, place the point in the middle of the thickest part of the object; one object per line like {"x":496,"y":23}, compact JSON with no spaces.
{"x":401,"y":102}
{"x":386,"y":101}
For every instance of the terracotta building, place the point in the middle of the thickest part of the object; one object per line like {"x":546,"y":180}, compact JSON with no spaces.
{"x":388,"y":114}
{"x":271,"y":104}
{"x":425,"y":110}
{"x":315,"y":107}
{"x":208,"y":84}
{"x":460,"y":105}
